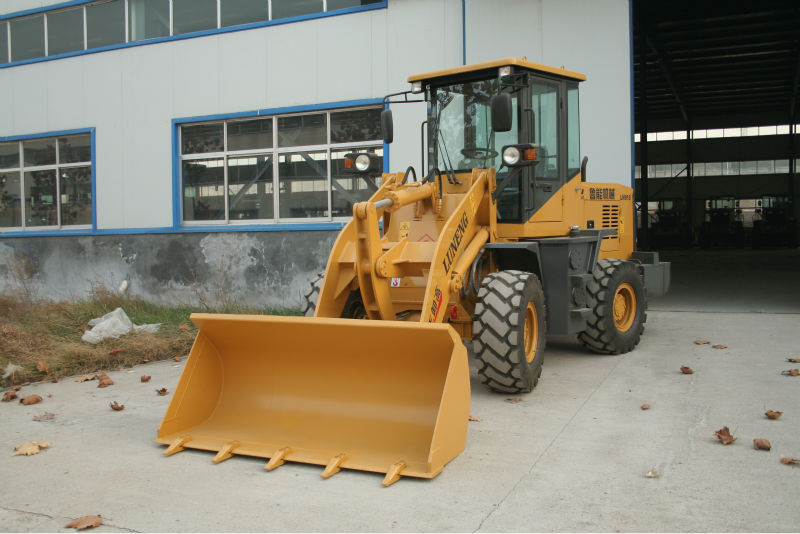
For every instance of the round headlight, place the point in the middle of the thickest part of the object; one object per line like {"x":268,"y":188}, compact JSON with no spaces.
{"x":362,"y":162}
{"x":511,"y":155}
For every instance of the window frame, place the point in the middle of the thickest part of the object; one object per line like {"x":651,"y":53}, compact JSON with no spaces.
{"x":22,"y":168}
{"x":275,"y":151}
{"x":218,"y":29}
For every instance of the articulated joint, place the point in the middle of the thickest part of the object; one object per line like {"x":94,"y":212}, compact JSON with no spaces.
{"x":382,"y":268}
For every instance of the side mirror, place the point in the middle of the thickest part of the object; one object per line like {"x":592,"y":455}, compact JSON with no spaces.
{"x":501,"y":112}
{"x":387,"y":126}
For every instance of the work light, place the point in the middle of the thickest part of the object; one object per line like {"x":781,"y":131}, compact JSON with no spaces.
{"x":519,"y":155}
{"x":361,"y":163}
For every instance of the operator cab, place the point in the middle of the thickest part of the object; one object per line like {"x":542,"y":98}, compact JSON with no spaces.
{"x":543,"y":113}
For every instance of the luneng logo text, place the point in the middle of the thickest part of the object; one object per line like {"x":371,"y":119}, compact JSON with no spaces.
{"x":452,"y":250}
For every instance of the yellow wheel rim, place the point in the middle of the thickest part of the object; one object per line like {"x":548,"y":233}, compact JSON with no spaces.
{"x":531,"y":332}
{"x":624,"y":307}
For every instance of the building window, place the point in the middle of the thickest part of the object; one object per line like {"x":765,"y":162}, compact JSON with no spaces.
{"x":279,"y":168}
{"x":46,"y":182}
{"x":233,"y":12}
{"x":193,"y":15}
{"x":98,"y":24}
{"x":27,"y":38}
{"x":148,"y":19}
{"x":3,"y":42}
{"x":64,"y":31}
{"x":105,"y":24}
{"x":282,"y":9}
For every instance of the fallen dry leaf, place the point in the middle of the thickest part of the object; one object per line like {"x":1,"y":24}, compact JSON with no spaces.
{"x":31,"y":399}
{"x":645,"y":406}
{"x":145,"y":378}
{"x":719,"y":346}
{"x":476,"y":419}
{"x":112,"y":352}
{"x":117,"y":407}
{"x":85,"y":378}
{"x":793,"y":360}
{"x":89,"y":521}
{"x":46,"y":416}
{"x":145,"y":361}
{"x":686,"y":370}
{"x":185,"y":327}
{"x":773,"y":415}
{"x":762,"y":444}
{"x":30,"y":448}
{"x":702,"y":342}
{"x":104,"y":380}
{"x":162,"y":391}
{"x":9,"y":395}
{"x":790,"y":460}
{"x":54,"y":381}
{"x":652,"y":473}
{"x":791,"y":372}
{"x":513,"y":400}
{"x":724,"y":436}
{"x":16,"y":388}
{"x":177,"y":358}
{"x":42,"y":367}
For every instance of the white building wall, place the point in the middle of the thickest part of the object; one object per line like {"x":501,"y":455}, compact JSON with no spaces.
{"x":131,"y":95}
{"x":591,"y":37}
{"x":13,"y":6}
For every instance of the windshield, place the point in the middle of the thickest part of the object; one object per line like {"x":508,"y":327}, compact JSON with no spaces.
{"x":461,"y":135}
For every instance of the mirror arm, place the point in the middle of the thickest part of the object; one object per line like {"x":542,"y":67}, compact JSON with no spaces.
{"x":505,"y":182}
{"x":404,"y":94}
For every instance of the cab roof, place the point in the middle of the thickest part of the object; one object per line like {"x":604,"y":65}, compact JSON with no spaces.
{"x":512,"y":61}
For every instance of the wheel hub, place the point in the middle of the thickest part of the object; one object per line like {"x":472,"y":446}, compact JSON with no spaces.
{"x":531,"y":332}
{"x":624,"y":307}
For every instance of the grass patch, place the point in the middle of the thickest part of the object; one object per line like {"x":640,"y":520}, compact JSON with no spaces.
{"x":42,"y":331}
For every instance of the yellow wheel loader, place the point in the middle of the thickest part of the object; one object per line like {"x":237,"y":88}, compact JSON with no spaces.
{"x":497,"y":242}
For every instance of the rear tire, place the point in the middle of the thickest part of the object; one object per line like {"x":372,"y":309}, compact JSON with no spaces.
{"x":617,"y":298}
{"x":509,"y":331}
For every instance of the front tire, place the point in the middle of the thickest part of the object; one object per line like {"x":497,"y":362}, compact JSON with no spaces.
{"x":618,"y":301}
{"x":509,"y":331}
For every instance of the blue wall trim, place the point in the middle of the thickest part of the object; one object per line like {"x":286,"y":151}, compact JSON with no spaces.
{"x":280,"y":111}
{"x":94,"y":180}
{"x":285,"y":227}
{"x":36,"y":10}
{"x":204,"y":33}
{"x":56,"y":133}
{"x":176,"y":182}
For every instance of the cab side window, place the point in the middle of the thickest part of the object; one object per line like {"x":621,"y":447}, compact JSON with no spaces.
{"x":544,"y":104}
{"x":573,"y":131}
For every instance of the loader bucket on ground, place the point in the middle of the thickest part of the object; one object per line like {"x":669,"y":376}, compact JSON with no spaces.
{"x":382,"y":396}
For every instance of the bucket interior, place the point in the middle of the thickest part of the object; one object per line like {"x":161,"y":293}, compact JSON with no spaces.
{"x":371,"y":390}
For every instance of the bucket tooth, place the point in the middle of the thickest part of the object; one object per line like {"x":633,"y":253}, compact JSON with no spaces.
{"x":177,"y":445}
{"x":333,"y":466}
{"x":393,"y":474}
{"x":278,"y":458}
{"x":226,"y":452}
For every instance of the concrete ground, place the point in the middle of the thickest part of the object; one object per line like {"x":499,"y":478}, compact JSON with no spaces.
{"x":571,"y":456}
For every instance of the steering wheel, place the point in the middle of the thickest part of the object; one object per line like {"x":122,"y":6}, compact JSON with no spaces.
{"x":479,"y":153}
